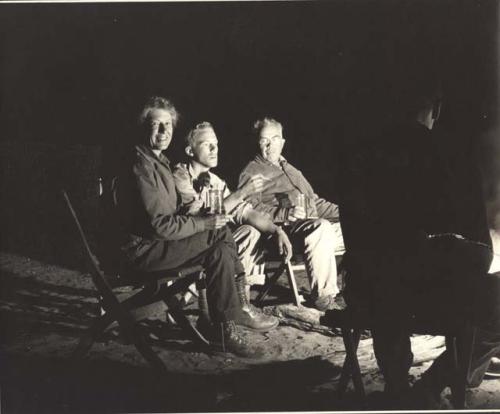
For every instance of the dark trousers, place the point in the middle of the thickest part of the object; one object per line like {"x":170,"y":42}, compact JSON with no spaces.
{"x":441,"y":278}
{"x":216,"y":252}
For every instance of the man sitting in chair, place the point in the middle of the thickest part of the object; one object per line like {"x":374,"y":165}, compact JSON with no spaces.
{"x":157,"y":236}
{"x":194,"y":181}
{"x":315,"y":226}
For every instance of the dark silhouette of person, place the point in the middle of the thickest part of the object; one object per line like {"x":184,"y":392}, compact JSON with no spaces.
{"x":430,"y":245}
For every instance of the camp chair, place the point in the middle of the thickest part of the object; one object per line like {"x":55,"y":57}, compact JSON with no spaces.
{"x":459,"y":337}
{"x":128,"y":312}
{"x":277,"y":267}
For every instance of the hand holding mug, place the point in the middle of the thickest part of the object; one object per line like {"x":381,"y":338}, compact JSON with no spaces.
{"x":297,"y":213}
{"x":195,"y":208}
{"x":254,"y":185}
{"x":216,"y":221}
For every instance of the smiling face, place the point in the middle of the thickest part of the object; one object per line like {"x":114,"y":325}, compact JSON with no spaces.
{"x":159,"y":129}
{"x":271,"y":142}
{"x":205,"y":150}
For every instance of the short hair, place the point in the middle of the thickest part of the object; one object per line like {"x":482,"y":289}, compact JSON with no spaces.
{"x":197,"y":130}
{"x":158,"y":102}
{"x":263,"y":122}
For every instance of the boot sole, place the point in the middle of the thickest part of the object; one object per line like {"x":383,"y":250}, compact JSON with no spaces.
{"x":261,"y":330}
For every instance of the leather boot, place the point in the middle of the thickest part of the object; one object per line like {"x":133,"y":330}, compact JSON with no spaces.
{"x":251,"y":317}
{"x":231,"y":340}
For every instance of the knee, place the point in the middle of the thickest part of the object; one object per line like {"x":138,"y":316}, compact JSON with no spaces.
{"x":224,"y":235}
{"x":323,"y":224}
{"x":324,"y":230}
{"x":221,"y":251}
{"x":248,"y":233}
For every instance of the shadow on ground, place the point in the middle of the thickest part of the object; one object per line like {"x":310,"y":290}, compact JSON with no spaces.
{"x":55,"y":385}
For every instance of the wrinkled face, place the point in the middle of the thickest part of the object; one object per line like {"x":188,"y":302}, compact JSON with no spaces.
{"x":271,"y":142}
{"x":159,"y":128}
{"x":206,"y":150}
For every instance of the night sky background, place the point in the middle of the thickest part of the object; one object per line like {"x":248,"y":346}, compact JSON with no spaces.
{"x":332,"y":72}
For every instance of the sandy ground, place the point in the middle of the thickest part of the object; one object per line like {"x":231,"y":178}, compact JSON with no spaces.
{"x":45,"y":308}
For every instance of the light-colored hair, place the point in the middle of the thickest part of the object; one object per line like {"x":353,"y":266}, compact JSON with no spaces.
{"x":158,"y":102}
{"x":193,"y":133}
{"x":263,"y":122}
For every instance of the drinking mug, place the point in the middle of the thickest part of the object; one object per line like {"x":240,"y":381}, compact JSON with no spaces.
{"x":215,"y":201}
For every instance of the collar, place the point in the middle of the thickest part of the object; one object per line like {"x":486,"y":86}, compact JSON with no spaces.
{"x":282,"y":161}
{"x":195,"y":181}
{"x":190,"y":171}
{"x":148,"y":153}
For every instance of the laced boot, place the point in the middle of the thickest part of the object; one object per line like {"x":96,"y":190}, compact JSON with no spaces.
{"x":252,"y":317}
{"x":231,"y":340}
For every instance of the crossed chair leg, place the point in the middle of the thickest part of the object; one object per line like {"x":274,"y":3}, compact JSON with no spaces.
{"x":129,"y":326}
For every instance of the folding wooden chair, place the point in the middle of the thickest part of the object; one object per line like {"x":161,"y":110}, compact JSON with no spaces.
{"x":127,"y":313}
{"x":459,"y":337}
{"x":281,"y":267}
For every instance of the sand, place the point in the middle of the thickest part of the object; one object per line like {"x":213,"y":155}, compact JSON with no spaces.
{"x":46,"y":308}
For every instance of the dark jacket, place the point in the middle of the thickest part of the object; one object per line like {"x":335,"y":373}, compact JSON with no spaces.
{"x":414,"y":188}
{"x":147,"y":204}
{"x":281,"y":190}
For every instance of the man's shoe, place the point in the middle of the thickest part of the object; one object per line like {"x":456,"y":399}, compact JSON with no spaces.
{"x":493,"y":370}
{"x":254,"y":319}
{"x":324,"y":303}
{"x":251,"y":317}
{"x":231,"y":340}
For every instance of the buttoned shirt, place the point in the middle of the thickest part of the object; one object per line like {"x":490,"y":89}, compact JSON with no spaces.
{"x":184,"y":181}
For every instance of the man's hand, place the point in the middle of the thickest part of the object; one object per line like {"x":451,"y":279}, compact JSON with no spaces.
{"x":194,"y":208}
{"x":255,"y":185}
{"x":297,"y":213}
{"x":216,"y":221}
{"x":284,"y":245}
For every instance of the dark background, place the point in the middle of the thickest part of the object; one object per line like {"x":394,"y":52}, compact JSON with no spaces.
{"x":73,"y":78}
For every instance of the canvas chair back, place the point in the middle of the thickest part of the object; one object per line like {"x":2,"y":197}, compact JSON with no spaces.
{"x":98,"y":277}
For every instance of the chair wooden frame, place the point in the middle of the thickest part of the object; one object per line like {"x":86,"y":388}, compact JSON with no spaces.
{"x":158,"y":286}
{"x":459,"y":339}
{"x":282,"y":267}
{"x":288,"y":268}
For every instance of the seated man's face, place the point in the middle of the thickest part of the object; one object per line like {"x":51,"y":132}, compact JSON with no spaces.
{"x":159,"y":129}
{"x":271,"y":143}
{"x":205,"y":149}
